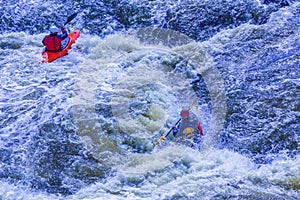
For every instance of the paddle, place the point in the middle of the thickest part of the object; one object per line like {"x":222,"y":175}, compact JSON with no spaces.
{"x":164,"y":137}
{"x":70,"y":18}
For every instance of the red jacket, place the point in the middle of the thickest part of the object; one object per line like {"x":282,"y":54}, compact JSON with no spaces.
{"x":53,"y":41}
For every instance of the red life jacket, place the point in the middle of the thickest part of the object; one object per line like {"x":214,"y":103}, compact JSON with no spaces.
{"x":52,"y":43}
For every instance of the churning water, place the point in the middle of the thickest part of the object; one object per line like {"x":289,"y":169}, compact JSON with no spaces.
{"x":84,"y":126}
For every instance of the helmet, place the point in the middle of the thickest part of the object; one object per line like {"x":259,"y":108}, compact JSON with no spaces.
{"x":184,"y":114}
{"x":53,"y":29}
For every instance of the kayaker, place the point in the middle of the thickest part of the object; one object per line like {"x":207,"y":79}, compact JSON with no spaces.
{"x":53,"y":40}
{"x":188,"y":132}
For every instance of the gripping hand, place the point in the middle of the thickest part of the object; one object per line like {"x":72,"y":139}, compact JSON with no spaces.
{"x":161,"y":139}
{"x":62,"y":28}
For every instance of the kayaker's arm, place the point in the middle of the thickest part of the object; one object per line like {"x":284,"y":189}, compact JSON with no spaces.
{"x":170,"y":136}
{"x":200,"y":129}
{"x":64,"y":35}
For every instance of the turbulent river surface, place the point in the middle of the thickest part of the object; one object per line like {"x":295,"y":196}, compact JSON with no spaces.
{"x":85,"y":125}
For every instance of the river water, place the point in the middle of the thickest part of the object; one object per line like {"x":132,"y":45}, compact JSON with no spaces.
{"x":85,"y":125}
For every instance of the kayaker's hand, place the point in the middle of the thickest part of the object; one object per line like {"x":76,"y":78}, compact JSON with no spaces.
{"x":63,"y":29}
{"x":160,"y":140}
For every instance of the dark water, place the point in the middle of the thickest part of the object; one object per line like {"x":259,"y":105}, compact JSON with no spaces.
{"x":198,"y":20}
{"x":254,"y":45}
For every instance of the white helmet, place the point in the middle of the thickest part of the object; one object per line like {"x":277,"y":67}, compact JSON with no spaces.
{"x":53,"y":29}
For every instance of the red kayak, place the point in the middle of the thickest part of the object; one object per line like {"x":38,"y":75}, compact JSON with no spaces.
{"x":66,"y":43}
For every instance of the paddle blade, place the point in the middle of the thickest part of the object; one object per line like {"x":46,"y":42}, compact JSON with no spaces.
{"x":70,"y":18}
{"x":193,"y":103}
